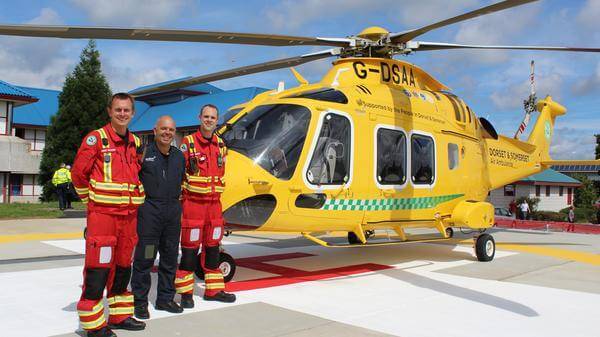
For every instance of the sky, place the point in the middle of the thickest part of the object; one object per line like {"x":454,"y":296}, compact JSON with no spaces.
{"x":493,"y":83}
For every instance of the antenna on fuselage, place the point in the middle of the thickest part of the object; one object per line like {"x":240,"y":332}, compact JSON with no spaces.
{"x":529,"y":103}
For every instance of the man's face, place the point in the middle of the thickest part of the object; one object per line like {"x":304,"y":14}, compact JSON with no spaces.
{"x":164,"y":131}
{"x":120,"y":112}
{"x":208,"y":119}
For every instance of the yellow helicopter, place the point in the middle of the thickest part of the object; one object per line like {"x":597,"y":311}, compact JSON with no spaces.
{"x":378,"y":143}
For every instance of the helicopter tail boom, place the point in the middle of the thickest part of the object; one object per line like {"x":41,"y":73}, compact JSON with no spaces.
{"x":509,"y":159}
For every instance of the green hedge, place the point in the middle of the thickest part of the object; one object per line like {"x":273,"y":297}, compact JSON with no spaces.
{"x":582,"y":214}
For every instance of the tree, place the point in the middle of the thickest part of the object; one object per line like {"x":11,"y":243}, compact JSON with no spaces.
{"x":597,"y":146}
{"x":81,"y":109}
{"x":585,"y":195}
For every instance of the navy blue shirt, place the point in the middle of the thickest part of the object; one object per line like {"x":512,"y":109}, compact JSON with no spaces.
{"x":161,"y":174}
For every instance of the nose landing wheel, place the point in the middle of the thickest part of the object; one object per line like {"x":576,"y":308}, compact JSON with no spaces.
{"x":226,"y":265}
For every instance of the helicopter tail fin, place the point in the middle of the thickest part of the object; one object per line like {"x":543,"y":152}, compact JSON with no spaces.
{"x":510,"y":159}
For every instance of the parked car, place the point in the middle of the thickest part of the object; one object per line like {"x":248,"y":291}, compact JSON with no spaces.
{"x":501,"y":213}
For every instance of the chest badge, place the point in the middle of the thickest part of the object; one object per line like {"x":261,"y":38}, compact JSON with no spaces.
{"x":107,"y":158}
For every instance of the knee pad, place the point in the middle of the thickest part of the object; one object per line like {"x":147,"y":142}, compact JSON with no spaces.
{"x":95,"y":282}
{"x":145,"y":251}
{"x":189,"y":259}
{"x":122,"y":276}
{"x":211,"y":257}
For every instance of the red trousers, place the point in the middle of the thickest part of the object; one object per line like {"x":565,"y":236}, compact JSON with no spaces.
{"x":201,"y":225}
{"x":110,"y":240}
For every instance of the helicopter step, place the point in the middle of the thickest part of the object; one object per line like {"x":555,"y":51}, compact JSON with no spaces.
{"x":378,"y":243}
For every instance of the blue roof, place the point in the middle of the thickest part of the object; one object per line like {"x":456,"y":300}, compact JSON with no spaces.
{"x":204,"y":87}
{"x":15,"y":92}
{"x":185,"y":112}
{"x":37,"y":113}
{"x":551,"y":176}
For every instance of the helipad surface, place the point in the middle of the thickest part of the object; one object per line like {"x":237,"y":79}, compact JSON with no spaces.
{"x":539,"y":284}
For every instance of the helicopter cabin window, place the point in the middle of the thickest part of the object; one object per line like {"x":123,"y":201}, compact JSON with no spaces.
{"x":391,"y":157}
{"x":452,"y":156}
{"x":272,"y":136}
{"x":323,"y":94}
{"x":422,"y":159}
{"x":330,"y":162}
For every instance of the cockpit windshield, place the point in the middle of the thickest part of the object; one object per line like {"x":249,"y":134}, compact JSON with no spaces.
{"x":272,"y":136}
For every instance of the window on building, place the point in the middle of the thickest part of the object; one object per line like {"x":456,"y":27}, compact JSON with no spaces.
{"x":547,"y":191}
{"x":4,"y":119}
{"x":37,"y":138}
{"x":560,"y":191}
{"x":509,"y":190}
{"x":537,"y":191}
{"x":422,"y":160}
{"x":16,"y":184}
{"x":452,"y":156}
{"x":330,"y":164}
{"x":391,"y":157}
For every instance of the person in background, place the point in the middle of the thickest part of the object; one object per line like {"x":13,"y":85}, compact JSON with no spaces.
{"x":524,"y":208}
{"x":512,"y":207}
{"x":571,"y":218}
{"x":61,"y":180}
{"x":70,"y":190}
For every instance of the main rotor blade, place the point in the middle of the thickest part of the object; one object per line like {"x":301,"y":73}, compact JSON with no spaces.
{"x":422,"y":46}
{"x":241,"y":71}
{"x":147,"y":34}
{"x":411,"y":34}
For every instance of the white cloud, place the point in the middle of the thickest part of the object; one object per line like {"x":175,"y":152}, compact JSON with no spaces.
{"x":512,"y":96}
{"x":590,"y":13}
{"x":569,"y":143}
{"x":34,"y":61}
{"x":127,"y":13}
{"x":588,"y":84}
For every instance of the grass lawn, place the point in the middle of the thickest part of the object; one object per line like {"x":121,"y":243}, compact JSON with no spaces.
{"x":31,"y":211}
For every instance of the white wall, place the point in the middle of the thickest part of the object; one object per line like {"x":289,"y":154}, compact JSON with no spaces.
{"x":498,"y":199}
{"x":552,"y":203}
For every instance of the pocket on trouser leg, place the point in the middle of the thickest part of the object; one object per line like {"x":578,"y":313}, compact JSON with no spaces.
{"x":124,"y":250}
{"x":91,"y":314}
{"x":99,"y":251}
{"x":190,"y":233}
{"x":214,"y":232}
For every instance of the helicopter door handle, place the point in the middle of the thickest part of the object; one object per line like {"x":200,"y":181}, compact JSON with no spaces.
{"x":258,"y":182}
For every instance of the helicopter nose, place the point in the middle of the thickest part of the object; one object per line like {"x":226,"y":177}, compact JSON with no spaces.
{"x":248,"y":201}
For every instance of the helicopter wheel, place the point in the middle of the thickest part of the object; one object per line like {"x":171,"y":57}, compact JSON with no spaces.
{"x":449,"y":232}
{"x":226,"y":265}
{"x":485,"y":248}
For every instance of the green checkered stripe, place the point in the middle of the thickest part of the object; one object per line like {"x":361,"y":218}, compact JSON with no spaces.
{"x":386,"y":204}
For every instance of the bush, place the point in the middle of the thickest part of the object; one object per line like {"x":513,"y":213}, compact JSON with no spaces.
{"x":584,"y":215}
{"x":549,"y":216}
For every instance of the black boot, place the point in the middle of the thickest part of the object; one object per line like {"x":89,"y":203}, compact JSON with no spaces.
{"x":129,"y":323}
{"x":187,"y":301}
{"x":104,"y":332}
{"x":221,"y":296}
{"x":169,"y":306}
{"x":141,"y":311}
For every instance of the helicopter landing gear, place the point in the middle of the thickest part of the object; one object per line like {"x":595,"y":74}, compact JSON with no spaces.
{"x":354,"y":240}
{"x":485,"y":247}
{"x":226,"y":265}
{"x":449,"y":232}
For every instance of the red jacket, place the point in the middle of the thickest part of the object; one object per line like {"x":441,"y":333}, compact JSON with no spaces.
{"x":105,"y":172}
{"x":204,"y":165}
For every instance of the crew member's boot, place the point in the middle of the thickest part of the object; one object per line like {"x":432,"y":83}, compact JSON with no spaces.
{"x":187,"y":301}
{"x":221,"y":296}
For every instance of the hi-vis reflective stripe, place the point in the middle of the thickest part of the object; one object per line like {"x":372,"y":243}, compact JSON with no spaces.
{"x":183,"y":290}
{"x":184,"y":279}
{"x":198,"y":179}
{"x":212,"y":276}
{"x":107,"y":164}
{"x":196,"y":189}
{"x":219,"y":189}
{"x":93,"y":324}
{"x":83,"y":190}
{"x":112,"y":186}
{"x":96,"y":309}
{"x":121,"y":311}
{"x":137,"y":141}
{"x":107,"y":199}
{"x":85,"y":200}
{"x":137,"y":200}
{"x":120,"y":299}
{"x":211,"y":286}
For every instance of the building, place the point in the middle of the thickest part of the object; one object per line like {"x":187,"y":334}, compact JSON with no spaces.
{"x":592,"y":172}
{"x":554,"y":189}
{"x":19,"y":164}
{"x":25,"y":114}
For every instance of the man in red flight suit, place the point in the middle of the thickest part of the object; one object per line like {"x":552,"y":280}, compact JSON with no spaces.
{"x":105,"y":175}
{"x":202,"y":222}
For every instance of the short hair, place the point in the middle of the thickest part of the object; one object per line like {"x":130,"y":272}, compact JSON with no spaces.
{"x":62,"y":165}
{"x":209,"y":106}
{"x":122,"y":96}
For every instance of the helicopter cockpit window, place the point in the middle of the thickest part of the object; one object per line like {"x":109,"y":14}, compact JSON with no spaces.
{"x":272,"y":136}
{"x":423,"y":159}
{"x":330,"y":163}
{"x":391,"y":157}
{"x":323,"y":94}
{"x":452,"y":156}
{"x":228,"y":115}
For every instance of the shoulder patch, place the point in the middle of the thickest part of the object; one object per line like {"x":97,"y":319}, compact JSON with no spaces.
{"x":183,"y":147}
{"x":91,"y":140}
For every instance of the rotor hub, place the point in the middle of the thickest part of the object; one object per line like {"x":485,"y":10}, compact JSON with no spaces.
{"x":373,"y":33}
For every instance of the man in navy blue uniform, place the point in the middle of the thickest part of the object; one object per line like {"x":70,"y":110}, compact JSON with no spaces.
{"x":159,"y":220}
